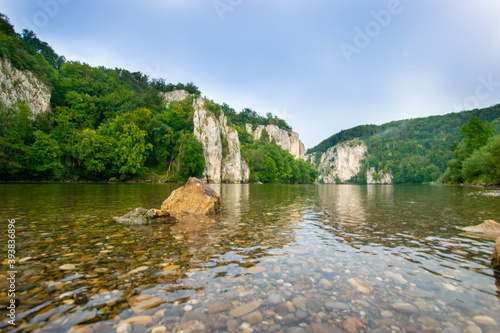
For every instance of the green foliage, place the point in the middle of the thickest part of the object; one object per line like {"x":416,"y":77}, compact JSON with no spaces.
{"x":483,"y":165}
{"x":471,"y":162}
{"x":191,"y":158}
{"x":44,"y":157}
{"x":131,"y":150}
{"x":415,"y":149}
{"x":24,"y":55}
{"x":269,"y":163}
{"x":264,"y":136}
{"x":249,"y":116}
{"x":14,"y":132}
{"x":95,"y":151}
{"x":476,"y":133}
{"x":212,"y":107}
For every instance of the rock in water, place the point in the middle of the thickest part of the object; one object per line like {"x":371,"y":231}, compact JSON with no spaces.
{"x":495,"y":257}
{"x":488,"y":227}
{"x":140,"y":216}
{"x":194,"y":198}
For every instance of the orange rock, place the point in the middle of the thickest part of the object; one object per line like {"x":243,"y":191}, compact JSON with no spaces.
{"x":80,"y":329}
{"x":360,"y":285}
{"x":352,"y":325}
{"x":143,"y":302}
{"x":142,"y":320}
{"x":194,"y":198}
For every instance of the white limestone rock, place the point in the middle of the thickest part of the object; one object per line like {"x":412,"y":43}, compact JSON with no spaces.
{"x":221,"y":147}
{"x":287,"y":140}
{"x":344,"y":161}
{"x":383,"y":177}
{"x":22,"y":86}
{"x":174,"y":96}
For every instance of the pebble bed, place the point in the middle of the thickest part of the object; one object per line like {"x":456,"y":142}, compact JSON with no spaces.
{"x":286,"y":260}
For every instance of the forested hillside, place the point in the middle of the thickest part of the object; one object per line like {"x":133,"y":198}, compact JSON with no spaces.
{"x":414,"y":150}
{"x":110,"y":123}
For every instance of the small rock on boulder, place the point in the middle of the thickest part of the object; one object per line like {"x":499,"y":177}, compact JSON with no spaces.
{"x":140,"y":216}
{"x":194,"y":198}
{"x":488,"y":227}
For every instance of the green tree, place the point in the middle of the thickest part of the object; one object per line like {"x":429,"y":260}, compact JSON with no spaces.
{"x":475,"y":133}
{"x":191,"y":161}
{"x":484,"y":164}
{"x":44,"y":157}
{"x":14,"y":132}
{"x":95,"y":152}
{"x":131,"y":150}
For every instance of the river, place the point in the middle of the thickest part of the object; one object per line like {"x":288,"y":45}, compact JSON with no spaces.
{"x":280,"y":258}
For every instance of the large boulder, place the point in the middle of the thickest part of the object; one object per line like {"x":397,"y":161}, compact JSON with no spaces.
{"x":195,"y":198}
{"x":140,"y":216}
{"x":489,"y":228}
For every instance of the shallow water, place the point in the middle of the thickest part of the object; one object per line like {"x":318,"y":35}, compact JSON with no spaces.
{"x":313,"y":258}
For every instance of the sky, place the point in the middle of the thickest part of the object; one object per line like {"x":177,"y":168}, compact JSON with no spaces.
{"x":322,"y":65}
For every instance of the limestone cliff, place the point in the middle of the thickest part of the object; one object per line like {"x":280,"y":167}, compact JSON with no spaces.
{"x":175,"y":95}
{"x":380,"y":177}
{"x":221,"y":145}
{"x":344,"y":161}
{"x":22,"y":86}
{"x":287,"y":140}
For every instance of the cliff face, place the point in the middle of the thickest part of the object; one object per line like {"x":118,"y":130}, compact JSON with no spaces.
{"x":374,"y":177}
{"x":176,"y":95}
{"x":340,"y":162}
{"x":285,"y":139}
{"x":22,"y":86}
{"x":221,"y":145}
{"x":343,"y":161}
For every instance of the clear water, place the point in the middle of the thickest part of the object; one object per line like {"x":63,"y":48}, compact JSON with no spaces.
{"x":317,"y":258}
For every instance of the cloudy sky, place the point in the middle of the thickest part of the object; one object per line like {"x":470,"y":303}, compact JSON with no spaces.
{"x":322,"y":65}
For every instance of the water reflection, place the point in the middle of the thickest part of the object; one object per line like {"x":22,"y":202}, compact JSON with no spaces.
{"x":358,"y":258}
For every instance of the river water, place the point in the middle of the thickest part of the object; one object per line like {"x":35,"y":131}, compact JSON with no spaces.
{"x":280,"y":258}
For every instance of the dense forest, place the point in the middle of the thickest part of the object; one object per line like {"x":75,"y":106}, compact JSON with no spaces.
{"x":107,"y":123}
{"x":420,"y":150}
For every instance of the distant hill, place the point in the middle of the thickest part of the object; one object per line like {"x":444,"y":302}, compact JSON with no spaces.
{"x":414,"y":150}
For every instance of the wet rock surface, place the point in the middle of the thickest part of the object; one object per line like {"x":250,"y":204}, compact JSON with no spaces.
{"x":193,"y":199}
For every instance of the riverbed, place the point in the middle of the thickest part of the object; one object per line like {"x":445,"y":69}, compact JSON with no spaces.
{"x":279,"y":258}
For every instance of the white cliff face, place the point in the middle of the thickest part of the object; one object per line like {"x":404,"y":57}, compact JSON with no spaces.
{"x":22,"y":86}
{"x":206,"y":130}
{"x":374,"y":177}
{"x":175,"y":95}
{"x":344,"y":161}
{"x":221,"y":147}
{"x":340,"y":162}
{"x":287,"y":140}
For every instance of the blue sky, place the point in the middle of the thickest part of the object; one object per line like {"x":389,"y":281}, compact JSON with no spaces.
{"x":324,"y":66}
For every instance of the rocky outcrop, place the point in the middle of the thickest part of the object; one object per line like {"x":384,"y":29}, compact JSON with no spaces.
{"x":193,"y":199}
{"x":140,"y":216}
{"x":220,"y":142}
{"x":287,"y":140}
{"x":488,"y":228}
{"x":374,"y":177}
{"x":22,"y":86}
{"x":221,"y":147}
{"x":193,"y":202}
{"x":340,"y":162}
{"x":173,"y":96}
{"x":344,"y":161}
